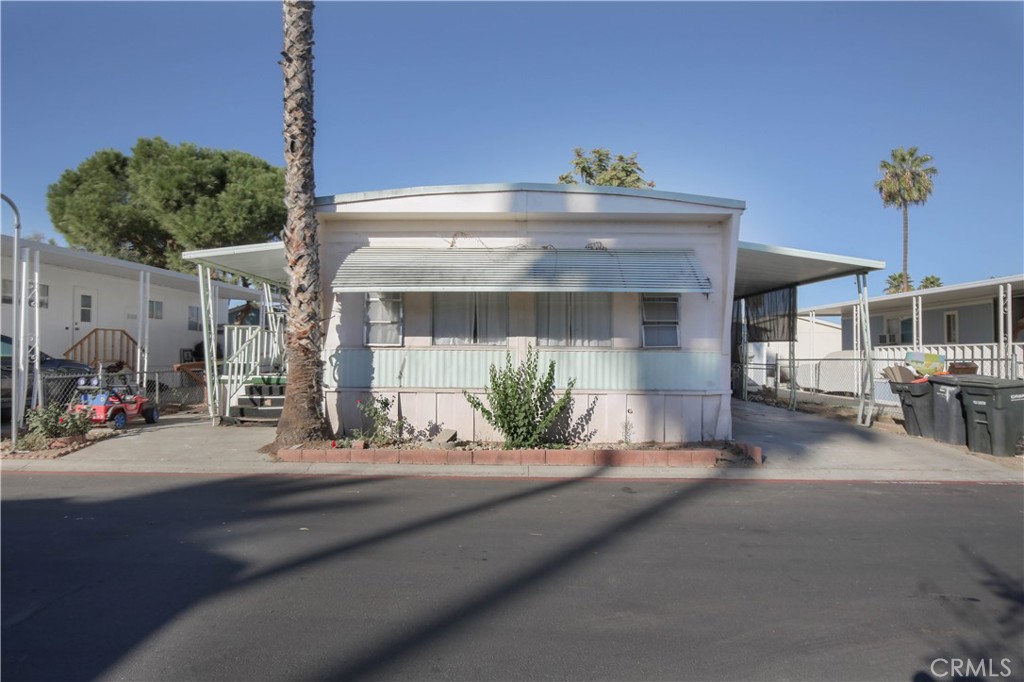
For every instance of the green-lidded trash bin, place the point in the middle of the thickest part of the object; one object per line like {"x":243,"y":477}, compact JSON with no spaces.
{"x":995,"y":414}
{"x":948,"y":422}
{"x":916,"y":401}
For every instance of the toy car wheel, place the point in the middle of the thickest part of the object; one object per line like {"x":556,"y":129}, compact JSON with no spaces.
{"x":120,"y":420}
{"x":151,"y":415}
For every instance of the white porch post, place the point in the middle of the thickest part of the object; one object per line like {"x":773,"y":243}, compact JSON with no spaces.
{"x":37,"y":385}
{"x":865,"y":412}
{"x":918,"y":341}
{"x":142,"y":332}
{"x":1004,"y":349}
{"x":209,"y":349}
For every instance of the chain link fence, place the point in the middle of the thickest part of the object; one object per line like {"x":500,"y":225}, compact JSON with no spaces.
{"x":163,"y":386}
{"x":834,"y":383}
{"x":813,"y":384}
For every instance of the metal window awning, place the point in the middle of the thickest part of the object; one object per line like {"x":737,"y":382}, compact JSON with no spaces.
{"x":386,"y":269}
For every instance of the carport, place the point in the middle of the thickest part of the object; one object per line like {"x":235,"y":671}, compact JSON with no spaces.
{"x":765,"y":296}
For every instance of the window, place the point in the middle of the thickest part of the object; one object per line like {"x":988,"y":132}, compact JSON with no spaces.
{"x":384,"y":319}
{"x":195,"y":322}
{"x":898,"y":330}
{"x":470,"y":318}
{"x":156,"y":310}
{"x":574,"y":319}
{"x":952,"y":327}
{"x":660,"y":320}
{"x":8,"y":293}
{"x":85,"y":308}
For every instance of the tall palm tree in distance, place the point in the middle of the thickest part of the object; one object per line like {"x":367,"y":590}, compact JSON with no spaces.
{"x":906,"y":179}
{"x":302,"y":418}
{"x":895,"y":284}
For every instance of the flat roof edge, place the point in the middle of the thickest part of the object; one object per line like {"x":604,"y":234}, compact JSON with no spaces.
{"x":376,"y":195}
{"x":866,"y":263}
{"x":836,"y":308}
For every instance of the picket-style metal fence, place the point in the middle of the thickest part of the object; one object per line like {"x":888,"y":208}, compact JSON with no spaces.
{"x":835,"y":381}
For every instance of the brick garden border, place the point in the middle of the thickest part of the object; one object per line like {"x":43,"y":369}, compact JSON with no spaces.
{"x":689,"y":458}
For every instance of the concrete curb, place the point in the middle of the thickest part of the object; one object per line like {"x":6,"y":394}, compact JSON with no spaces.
{"x":681,"y":458}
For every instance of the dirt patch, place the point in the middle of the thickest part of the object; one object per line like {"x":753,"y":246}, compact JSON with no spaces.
{"x":52,"y":448}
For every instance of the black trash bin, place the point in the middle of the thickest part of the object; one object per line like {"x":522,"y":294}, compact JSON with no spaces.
{"x":995,"y":414}
{"x":916,"y":401}
{"x":948,"y":423}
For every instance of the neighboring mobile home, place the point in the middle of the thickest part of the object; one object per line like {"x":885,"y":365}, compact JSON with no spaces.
{"x":83,"y":296}
{"x":980,"y":322}
{"x":629,"y":292}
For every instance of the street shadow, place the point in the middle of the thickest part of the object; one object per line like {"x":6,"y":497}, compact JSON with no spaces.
{"x":994,"y":647}
{"x":461,"y":616}
{"x":89,"y":580}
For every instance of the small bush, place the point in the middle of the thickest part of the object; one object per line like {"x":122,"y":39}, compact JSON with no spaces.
{"x":383,"y":430}
{"x":55,"y":421}
{"x":522,"y":402}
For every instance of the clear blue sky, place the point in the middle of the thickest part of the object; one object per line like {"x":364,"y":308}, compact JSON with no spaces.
{"x":787,"y":106}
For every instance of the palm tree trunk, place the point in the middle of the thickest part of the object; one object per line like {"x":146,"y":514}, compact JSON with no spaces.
{"x":302,"y":418}
{"x":906,"y":248}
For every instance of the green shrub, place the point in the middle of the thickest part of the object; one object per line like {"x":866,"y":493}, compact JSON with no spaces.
{"x":522,"y":405}
{"x":383,"y":430}
{"x":55,"y":421}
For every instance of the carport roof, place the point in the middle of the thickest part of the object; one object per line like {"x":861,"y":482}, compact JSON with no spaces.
{"x":78,"y":259}
{"x":944,"y":295}
{"x":759,"y":267}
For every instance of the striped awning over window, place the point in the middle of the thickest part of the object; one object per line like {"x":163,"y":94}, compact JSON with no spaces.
{"x":383,"y":269}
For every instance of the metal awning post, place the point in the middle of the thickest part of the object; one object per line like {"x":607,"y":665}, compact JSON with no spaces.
{"x":916,"y":322}
{"x":1005,"y":346}
{"x":866,"y":404}
{"x":743,"y":348}
{"x":37,"y":384}
{"x":209,"y":349}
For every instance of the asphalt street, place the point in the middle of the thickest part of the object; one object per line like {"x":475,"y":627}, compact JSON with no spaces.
{"x":183,"y":577}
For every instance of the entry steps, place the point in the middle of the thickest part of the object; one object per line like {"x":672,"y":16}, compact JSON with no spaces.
{"x":261,"y":400}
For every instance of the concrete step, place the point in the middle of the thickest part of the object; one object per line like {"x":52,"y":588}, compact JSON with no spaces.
{"x":265,"y":389}
{"x":254,"y":413}
{"x":261,"y":400}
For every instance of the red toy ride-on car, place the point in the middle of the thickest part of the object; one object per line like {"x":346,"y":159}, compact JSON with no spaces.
{"x":113,"y":404}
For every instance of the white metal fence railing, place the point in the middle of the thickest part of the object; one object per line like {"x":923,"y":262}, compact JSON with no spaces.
{"x":989,"y":357}
{"x":836,"y":381}
{"x":249,"y":351}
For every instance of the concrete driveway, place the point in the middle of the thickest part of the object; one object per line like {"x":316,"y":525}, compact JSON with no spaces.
{"x":796,"y":446}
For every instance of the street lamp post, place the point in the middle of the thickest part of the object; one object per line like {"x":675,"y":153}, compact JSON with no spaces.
{"x":15,"y":336}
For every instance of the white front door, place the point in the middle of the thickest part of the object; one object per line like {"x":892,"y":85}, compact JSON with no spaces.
{"x":85,"y":311}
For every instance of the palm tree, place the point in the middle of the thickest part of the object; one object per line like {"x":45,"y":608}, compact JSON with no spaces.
{"x":894,"y":284}
{"x":930,"y":282}
{"x":906,"y":179}
{"x":302,"y":418}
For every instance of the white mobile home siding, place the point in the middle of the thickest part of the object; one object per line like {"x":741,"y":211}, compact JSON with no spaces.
{"x":115,"y":307}
{"x":666,"y":395}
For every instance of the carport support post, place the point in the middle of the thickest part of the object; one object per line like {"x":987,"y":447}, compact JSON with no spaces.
{"x":209,"y":353}
{"x":743,"y":348}
{"x":37,"y":385}
{"x":1006,"y":359}
{"x":867,"y":383}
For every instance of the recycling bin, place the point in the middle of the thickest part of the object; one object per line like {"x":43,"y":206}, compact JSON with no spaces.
{"x":916,"y":401}
{"x":995,"y":414}
{"x":948,"y":422}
